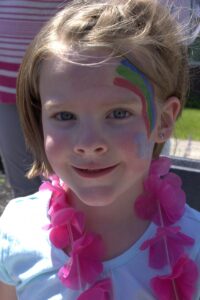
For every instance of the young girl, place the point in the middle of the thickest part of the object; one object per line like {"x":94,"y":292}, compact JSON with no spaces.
{"x":99,"y":91}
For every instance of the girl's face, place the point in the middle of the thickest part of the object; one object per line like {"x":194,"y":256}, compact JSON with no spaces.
{"x":95,"y":129}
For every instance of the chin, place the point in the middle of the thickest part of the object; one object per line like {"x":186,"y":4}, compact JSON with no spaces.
{"x":100,"y":196}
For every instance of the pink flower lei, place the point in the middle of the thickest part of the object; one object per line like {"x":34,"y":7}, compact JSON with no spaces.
{"x":163,"y":203}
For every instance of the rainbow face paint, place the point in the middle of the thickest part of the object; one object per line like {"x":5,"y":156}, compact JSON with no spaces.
{"x":145,"y":147}
{"x":133,"y":79}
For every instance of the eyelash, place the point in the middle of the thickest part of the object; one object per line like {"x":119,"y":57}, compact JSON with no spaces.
{"x":119,"y":111}
{"x":59,"y":116}
{"x":67,"y":116}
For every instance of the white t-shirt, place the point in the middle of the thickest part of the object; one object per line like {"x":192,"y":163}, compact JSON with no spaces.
{"x":29,"y":261}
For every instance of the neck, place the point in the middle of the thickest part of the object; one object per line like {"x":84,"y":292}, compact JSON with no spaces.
{"x":117,"y":223}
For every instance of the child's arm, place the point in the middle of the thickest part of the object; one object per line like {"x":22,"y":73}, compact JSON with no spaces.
{"x":7,"y":292}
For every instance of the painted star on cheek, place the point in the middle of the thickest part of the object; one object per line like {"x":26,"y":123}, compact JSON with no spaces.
{"x":134,"y":80}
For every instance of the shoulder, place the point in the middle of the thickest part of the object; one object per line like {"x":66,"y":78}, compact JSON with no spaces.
{"x":191,"y":221}
{"x":22,"y":209}
{"x":24,"y":215}
{"x":21,"y":231}
{"x":190,"y":224}
{"x":25,"y":212}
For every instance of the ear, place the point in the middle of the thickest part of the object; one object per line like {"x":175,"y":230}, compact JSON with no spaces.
{"x":167,"y":116}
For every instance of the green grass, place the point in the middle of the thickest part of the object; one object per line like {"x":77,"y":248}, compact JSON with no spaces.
{"x":188,"y":126}
{"x":2,"y":179}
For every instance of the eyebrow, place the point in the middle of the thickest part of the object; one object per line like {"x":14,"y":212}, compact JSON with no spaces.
{"x":125,"y":101}
{"x":52,"y":104}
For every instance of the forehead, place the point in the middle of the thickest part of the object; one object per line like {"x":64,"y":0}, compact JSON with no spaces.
{"x":60,"y":79}
{"x":91,"y":67}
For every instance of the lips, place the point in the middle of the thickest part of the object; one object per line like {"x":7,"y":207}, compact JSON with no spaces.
{"x":94,"y":173}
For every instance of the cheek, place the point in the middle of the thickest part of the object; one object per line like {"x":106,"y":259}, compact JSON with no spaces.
{"x":55,"y":145}
{"x":144,"y":145}
{"x":50,"y":144}
{"x":134,"y":142}
{"x":50,"y":149}
{"x":131,"y":140}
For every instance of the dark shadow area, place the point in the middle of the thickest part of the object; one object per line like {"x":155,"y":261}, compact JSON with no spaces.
{"x":194,"y":94}
{"x":189,"y":171}
{"x":1,"y":166}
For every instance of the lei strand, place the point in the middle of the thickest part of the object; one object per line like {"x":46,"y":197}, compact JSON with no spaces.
{"x":86,"y":249}
{"x":162,"y":202}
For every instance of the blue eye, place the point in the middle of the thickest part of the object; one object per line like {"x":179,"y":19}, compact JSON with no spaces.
{"x":119,"y":114}
{"x":65,"y":116}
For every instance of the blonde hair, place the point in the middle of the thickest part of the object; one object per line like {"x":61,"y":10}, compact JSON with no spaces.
{"x":144,"y":31}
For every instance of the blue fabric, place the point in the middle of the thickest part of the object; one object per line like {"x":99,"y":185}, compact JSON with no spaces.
{"x":29,"y":261}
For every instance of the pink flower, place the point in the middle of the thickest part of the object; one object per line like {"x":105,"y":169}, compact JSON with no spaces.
{"x":173,"y":180}
{"x":59,"y":195}
{"x":160,"y":167}
{"x":67,"y":226}
{"x":53,"y":184}
{"x":163,"y":201}
{"x":59,"y":237}
{"x":169,"y":237}
{"x":180,"y":284}
{"x":102,"y":290}
{"x":85,"y":263}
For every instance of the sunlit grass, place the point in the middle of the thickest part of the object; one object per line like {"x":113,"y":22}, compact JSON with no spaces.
{"x":188,"y":126}
{"x":2,"y":180}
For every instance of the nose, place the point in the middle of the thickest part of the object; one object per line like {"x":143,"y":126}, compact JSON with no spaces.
{"x":96,"y":149}
{"x":90,"y":142}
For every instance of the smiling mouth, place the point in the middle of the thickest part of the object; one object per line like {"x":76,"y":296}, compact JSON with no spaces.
{"x":94,"y":173}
